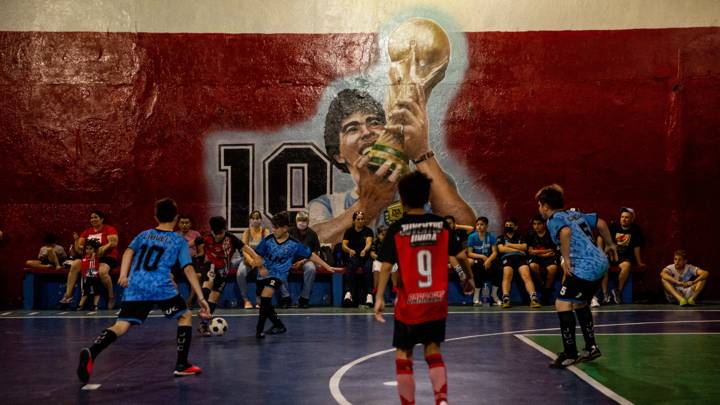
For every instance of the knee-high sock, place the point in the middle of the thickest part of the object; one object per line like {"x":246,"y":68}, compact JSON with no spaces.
{"x":585,"y":319}
{"x":405,"y":380}
{"x":212,"y":306}
{"x":102,"y":342}
{"x":567,"y":330}
{"x":184,"y":336}
{"x":271,"y":314}
{"x":264,"y":306}
{"x":438,"y":376}
{"x":206,"y":292}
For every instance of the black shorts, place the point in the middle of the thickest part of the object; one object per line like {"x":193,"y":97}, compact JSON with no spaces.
{"x":623,"y":257}
{"x":220,"y":280}
{"x":110,"y":261}
{"x":578,"y":290}
{"x":406,"y":336}
{"x":545,"y":261}
{"x":272,"y":282}
{"x":90,"y":285}
{"x":514,"y":261}
{"x":136,"y":312}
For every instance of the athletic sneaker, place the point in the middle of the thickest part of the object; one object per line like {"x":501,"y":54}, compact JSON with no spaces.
{"x":691,"y":302}
{"x":259,"y":335}
{"x":276,"y":330}
{"x":204,"y":330}
{"x":606,"y":299}
{"x":506,"y":302}
{"x":303,"y":303}
{"x":369,"y":301}
{"x":535,"y":304}
{"x":477,"y":303}
{"x":248,"y":305}
{"x":683,"y":302}
{"x":85,"y":365}
{"x":347,"y":301}
{"x":589,"y":354}
{"x":66,"y":300}
{"x":496,"y":301}
{"x":563,"y":360}
{"x":186,"y":369}
{"x":616,"y":297}
{"x":594,"y":303}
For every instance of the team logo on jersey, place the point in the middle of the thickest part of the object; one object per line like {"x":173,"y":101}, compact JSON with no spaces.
{"x":393,"y":212}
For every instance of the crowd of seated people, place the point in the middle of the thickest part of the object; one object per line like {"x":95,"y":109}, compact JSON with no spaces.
{"x":495,"y":261}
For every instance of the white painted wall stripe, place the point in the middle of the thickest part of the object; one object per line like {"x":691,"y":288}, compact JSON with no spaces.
{"x":347,"y":16}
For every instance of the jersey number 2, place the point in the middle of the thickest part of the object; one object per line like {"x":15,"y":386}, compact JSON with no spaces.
{"x":424,"y":266}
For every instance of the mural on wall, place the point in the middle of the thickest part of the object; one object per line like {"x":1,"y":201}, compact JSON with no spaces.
{"x":227,"y":122}
{"x":387,"y":113}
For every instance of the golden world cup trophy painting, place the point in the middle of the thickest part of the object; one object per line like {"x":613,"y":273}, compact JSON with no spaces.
{"x":419,"y":51}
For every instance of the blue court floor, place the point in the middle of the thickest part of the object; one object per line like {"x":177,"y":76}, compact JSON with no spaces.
{"x":328,"y":356}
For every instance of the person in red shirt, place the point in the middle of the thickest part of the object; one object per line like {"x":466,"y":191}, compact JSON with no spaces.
{"x":421,"y":245}
{"x":107,"y":236}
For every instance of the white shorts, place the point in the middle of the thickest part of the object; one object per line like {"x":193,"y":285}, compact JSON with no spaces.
{"x":377,"y":265}
{"x":685,"y":292}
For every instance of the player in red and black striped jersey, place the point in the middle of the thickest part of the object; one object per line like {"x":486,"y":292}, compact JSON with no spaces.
{"x":421,"y":245}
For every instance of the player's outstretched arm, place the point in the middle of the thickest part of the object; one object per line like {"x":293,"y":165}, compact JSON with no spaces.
{"x":195,"y":285}
{"x":610,"y":247}
{"x":125,"y":267}
{"x":320,"y":262}
{"x":380,"y":294}
{"x":257,"y":259}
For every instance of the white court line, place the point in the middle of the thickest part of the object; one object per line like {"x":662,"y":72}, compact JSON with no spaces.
{"x":583,"y":375}
{"x":632,"y":334}
{"x":33,"y":313}
{"x":90,"y":387}
{"x":62,"y":313}
{"x":334,"y":383}
{"x":367,"y":314}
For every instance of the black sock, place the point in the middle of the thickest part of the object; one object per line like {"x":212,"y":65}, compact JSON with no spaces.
{"x":567,"y":330}
{"x":585,"y":319}
{"x":206,"y":292}
{"x":102,"y":342}
{"x":264,"y":306}
{"x":184,"y":337}
{"x":212,"y":306}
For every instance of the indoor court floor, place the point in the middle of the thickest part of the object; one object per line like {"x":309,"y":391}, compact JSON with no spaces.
{"x":651,"y":354}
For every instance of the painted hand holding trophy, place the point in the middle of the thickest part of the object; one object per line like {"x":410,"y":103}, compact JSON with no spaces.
{"x":419,"y":51}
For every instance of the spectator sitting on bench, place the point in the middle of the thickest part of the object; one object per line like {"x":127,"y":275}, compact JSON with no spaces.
{"x":305,"y":235}
{"x":683,"y":282}
{"x":107,"y":252}
{"x":51,"y":254}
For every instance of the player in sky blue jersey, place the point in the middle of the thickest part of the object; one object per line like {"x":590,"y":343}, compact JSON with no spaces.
{"x":279,"y":250}
{"x":149,"y":260}
{"x":584,"y":265}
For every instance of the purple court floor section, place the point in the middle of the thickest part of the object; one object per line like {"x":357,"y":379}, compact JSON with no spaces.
{"x":318,"y":361}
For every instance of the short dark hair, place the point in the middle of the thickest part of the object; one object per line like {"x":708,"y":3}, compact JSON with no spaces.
{"x":680,"y":252}
{"x":218,"y":224}
{"x":513,"y":220}
{"x":446,"y":217}
{"x":280,"y":219}
{"x":98,"y":213}
{"x":255,"y":212}
{"x":551,"y":195}
{"x":414,"y":189}
{"x":165,"y":209}
{"x":537,"y":217}
{"x":346,"y":103}
{"x":50,"y":239}
{"x":185,"y":216}
{"x":357,"y":213}
{"x":483,"y":219}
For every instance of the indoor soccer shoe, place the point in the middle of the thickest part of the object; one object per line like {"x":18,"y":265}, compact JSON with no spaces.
{"x":276,"y":330}
{"x":85,"y":365}
{"x":535,"y":304}
{"x":589,"y":354}
{"x":563,"y":360}
{"x":187,"y":369}
{"x":506,"y":302}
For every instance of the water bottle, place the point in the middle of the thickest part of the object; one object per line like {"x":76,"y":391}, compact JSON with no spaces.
{"x":485,"y":294}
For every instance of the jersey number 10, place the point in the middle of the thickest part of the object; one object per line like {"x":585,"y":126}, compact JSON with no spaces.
{"x":148,"y":255}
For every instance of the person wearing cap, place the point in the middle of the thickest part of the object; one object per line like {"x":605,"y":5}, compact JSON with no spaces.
{"x":629,"y":238}
{"x":302,"y":232}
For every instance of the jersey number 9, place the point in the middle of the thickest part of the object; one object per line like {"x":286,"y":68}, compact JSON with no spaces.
{"x":424,"y":267}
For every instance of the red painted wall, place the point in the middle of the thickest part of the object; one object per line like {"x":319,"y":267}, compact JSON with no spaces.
{"x":115,"y":121}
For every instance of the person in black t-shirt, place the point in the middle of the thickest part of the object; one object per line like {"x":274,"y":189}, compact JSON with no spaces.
{"x":356,"y":245}
{"x":542,"y":255}
{"x":630,"y":240}
{"x":512,"y":249}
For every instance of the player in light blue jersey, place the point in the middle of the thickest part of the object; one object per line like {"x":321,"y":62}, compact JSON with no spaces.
{"x":584,"y":265}
{"x":279,"y":251}
{"x":149,"y":260}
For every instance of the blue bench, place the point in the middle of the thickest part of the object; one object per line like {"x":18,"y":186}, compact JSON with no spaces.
{"x":43,"y":288}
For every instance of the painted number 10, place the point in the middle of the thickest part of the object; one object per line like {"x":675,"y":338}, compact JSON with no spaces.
{"x":424,"y":266}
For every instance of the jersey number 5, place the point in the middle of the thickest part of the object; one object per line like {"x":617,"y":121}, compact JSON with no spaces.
{"x":424,"y":267}
{"x":154,"y":253}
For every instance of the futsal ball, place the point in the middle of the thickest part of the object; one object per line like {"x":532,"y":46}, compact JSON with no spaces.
{"x":218,"y":326}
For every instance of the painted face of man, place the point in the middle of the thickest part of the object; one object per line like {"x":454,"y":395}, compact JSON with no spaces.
{"x":358,"y":133}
